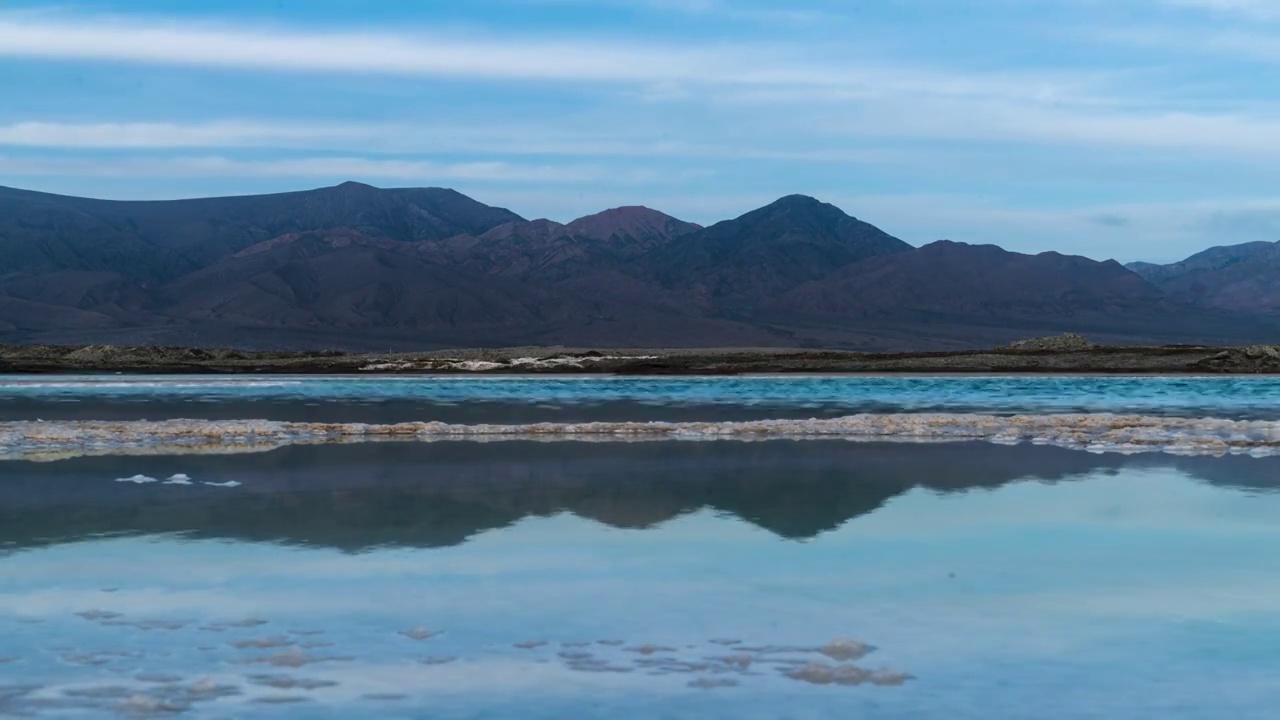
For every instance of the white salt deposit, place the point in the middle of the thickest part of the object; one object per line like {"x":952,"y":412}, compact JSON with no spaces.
{"x":419,"y":633}
{"x":1101,"y":432}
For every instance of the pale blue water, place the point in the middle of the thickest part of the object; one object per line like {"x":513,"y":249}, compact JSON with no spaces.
{"x":1011,"y":582}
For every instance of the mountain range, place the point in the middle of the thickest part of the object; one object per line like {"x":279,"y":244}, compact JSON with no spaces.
{"x":363,"y":268}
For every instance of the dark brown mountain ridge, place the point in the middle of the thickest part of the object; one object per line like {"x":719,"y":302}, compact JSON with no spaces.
{"x":358,"y":267}
{"x":1236,"y":278}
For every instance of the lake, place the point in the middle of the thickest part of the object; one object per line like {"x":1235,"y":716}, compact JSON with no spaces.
{"x":683,"y":574}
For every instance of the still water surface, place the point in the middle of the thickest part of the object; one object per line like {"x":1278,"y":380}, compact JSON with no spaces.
{"x":643,"y":580}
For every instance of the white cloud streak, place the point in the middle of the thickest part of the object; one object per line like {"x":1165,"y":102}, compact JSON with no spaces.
{"x":787,"y":12}
{"x":1257,"y":9}
{"x":392,"y":138}
{"x":259,"y":48}
{"x":313,"y":167}
{"x":139,"y":135}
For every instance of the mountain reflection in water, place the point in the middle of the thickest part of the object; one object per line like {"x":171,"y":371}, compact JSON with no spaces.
{"x":360,"y":497}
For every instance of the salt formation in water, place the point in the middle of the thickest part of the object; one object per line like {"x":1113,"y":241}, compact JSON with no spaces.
{"x":1101,"y":432}
{"x":148,"y":625}
{"x":104,"y":692}
{"x":819,"y":673}
{"x":712,"y":683}
{"x":96,"y":615}
{"x":739,"y":660}
{"x":597,"y":665}
{"x":295,"y":658}
{"x":286,"y":682}
{"x":890,"y":678}
{"x":244,"y":623}
{"x":158,"y":678}
{"x":419,"y":633}
{"x":281,"y":699}
{"x":845,"y":649}
{"x":520,"y":364}
{"x":148,"y":705}
{"x":265,"y":643}
{"x":85,"y":659}
{"x":650,"y":649}
{"x":438,"y":660}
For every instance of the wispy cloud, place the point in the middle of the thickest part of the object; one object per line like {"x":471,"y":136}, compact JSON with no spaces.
{"x":502,"y":139}
{"x":130,"y":39}
{"x":1241,"y":135}
{"x":793,"y":12}
{"x":1261,"y":9}
{"x":579,"y":60}
{"x":229,"y":133}
{"x":328,"y":168}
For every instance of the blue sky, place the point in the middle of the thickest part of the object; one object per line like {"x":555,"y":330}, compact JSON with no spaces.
{"x":1133,"y":129}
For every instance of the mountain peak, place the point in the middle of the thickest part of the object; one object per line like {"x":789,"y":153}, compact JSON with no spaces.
{"x":793,"y":210}
{"x":631,"y":221}
{"x":798,"y":200}
{"x":766,"y":251}
{"x":540,"y":229}
{"x":351,"y":189}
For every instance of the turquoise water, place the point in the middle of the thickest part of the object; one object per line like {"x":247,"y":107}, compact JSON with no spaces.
{"x":517,"y":399}
{"x":644,"y":580}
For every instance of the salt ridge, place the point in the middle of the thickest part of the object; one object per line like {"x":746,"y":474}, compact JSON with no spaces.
{"x":1100,"y":432}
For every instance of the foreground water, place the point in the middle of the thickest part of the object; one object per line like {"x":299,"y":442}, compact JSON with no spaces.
{"x":769,"y":579}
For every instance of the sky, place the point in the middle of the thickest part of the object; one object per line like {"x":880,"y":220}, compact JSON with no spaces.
{"x":1126,"y":129}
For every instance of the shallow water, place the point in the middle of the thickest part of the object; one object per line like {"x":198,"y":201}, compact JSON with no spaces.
{"x":512,"y":399}
{"x":644,"y":580}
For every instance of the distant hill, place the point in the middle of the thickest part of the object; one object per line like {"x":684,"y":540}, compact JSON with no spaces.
{"x":358,"y":267}
{"x":1236,"y":278}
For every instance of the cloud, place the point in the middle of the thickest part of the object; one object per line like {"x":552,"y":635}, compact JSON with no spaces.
{"x":501,"y":140}
{"x":512,"y":58}
{"x":125,"y":39}
{"x":1110,"y":220}
{"x":1263,"y":9}
{"x":231,"y":133}
{"x":818,"y":91}
{"x":332,"y":168}
{"x":1244,"y":225}
{"x":1251,"y":42}
{"x":790,"y":13}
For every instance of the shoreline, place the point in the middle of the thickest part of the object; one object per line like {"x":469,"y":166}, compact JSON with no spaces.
{"x":529,"y":361}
